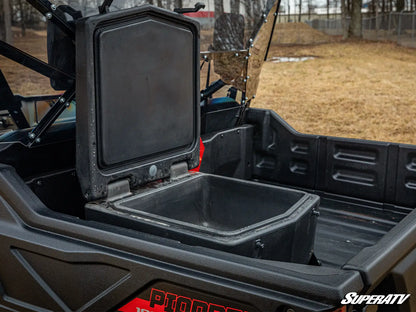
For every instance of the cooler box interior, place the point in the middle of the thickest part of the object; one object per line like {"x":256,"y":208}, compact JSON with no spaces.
{"x":236,"y":216}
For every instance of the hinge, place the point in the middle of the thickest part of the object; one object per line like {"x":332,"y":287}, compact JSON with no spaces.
{"x":179,"y":170}
{"x":118,"y":189}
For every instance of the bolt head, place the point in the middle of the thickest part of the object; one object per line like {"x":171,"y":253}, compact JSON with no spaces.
{"x":48,"y":15}
{"x":237,"y":54}
{"x":53,"y":7}
{"x":62,"y":100}
{"x":31,"y":135}
{"x":37,"y":140}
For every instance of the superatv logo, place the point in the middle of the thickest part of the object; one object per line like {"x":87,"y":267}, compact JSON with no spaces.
{"x":161,"y":301}
{"x":354,"y":298}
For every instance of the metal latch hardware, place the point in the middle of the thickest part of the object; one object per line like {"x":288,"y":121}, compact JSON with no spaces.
{"x":118,"y":189}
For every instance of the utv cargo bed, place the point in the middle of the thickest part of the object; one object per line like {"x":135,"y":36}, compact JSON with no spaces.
{"x":109,"y":218}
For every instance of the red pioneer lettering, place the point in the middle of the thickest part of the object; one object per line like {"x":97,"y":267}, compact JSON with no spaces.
{"x":161,"y":301}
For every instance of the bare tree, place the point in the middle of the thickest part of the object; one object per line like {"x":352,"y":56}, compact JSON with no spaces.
{"x":300,"y":11}
{"x":22,"y":13}
{"x":327,"y":9}
{"x":219,"y":7}
{"x":235,"y":6}
{"x":257,"y":9}
{"x":344,"y":19}
{"x":7,"y":16}
{"x":400,"y":5}
{"x":178,"y":4}
{"x":355,"y":29}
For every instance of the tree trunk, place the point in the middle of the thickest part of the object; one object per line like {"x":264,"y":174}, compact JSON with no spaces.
{"x":178,"y":4}
{"x":327,"y":9}
{"x":22,"y":18}
{"x":335,"y":8}
{"x":400,"y":5}
{"x":355,"y":29}
{"x":219,"y":8}
{"x":7,"y":22}
{"x":300,"y":11}
{"x":344,"y":19}
{"x":257,"y":9}
{"x":249,"y":14}
{"x":235,"y":6}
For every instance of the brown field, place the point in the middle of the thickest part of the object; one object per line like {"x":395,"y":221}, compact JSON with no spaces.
{"x":354,"y":89}
{"x":351,"y":89}
{"x":22,"y":80}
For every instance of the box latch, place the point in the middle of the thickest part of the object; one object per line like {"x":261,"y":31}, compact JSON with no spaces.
{"x":118,"y":189}
{"x":178,"y":171}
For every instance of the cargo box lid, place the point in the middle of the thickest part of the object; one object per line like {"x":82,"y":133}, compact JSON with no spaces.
{"x":137,"y":97}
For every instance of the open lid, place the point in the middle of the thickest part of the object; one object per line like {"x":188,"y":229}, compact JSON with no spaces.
{"x":137,"y":92}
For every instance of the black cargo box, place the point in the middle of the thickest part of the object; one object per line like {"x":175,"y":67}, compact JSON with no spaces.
{"x":237,"y":216}
{"x":138,"y":126}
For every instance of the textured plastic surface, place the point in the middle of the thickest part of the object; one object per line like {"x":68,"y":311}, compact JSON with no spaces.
{"x":376,"y":171}
{"x":136,"y":69}
{"x":237,"y":216}
{"x":145,"y":90}
{"x":35,"y":241}
{"x":45,"y":256}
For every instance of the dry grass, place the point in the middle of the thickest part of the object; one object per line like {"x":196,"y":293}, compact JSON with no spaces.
{"x":299,"y":33}
{"x":22,"y":80}
{"x":355,"y":89}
